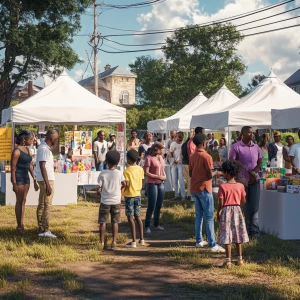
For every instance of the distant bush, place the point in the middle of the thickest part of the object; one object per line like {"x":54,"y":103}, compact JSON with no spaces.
{"x":285,"y":134}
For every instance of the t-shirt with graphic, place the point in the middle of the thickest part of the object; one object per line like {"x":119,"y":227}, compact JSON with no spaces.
{"x":134,"y":175}
{"x":110,"y":182}
{"x":175,"y":148}
{"x":101,"y":148}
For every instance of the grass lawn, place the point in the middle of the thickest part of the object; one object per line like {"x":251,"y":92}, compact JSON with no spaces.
{"x":74,"y":266}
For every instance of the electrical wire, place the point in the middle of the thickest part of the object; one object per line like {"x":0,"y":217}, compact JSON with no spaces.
{"x":207,"y":23}
{"x":204,"y":24}
{"x":164,"y":43}
{"x":134,"y":5}
{"x":244,"y":36}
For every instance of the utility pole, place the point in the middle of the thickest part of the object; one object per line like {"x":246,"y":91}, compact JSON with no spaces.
{"x":95,"y":49}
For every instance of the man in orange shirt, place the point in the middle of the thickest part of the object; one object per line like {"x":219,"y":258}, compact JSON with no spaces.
{"x":200,"y":167}
{"x":191,"y":146}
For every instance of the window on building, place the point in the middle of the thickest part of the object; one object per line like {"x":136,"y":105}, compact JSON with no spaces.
{"x":296,"y":88}
{"x":124,"y":97}
{"x":104,"y":96}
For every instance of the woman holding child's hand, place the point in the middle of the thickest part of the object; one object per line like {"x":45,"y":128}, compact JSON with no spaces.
{"x":154,"y":168}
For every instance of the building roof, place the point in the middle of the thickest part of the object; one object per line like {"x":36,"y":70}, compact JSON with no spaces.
{"x":115,"y":71}
{"x":295,"y":78}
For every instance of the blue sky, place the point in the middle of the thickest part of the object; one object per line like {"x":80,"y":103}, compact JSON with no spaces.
{"x":279,"y":50}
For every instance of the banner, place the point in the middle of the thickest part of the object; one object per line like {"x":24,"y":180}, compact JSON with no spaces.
{"x":5,"y":143}
{"x":82,"y":143}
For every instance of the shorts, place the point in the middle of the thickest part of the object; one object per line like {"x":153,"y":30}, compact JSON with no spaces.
{"x":113,"y":210}
{"x":133,"y":206}
{"x":22,"y":180}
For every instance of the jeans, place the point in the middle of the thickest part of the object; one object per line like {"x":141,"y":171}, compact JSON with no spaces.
{"x":101,"y":166}
{"x":156,"y":193}
{"x":251,"y":208}
{"x":204,"y":206}
{"x":177,"y":175}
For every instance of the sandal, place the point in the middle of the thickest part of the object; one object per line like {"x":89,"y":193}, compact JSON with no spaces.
{"x":20,"y":230}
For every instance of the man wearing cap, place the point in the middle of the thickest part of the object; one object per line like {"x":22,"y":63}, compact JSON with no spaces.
{"x":112,"y":142}
{"x":275,"y":150}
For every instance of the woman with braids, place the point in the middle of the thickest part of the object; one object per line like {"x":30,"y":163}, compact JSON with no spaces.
{"x":20,"y":168}
{"x":232,"y":228}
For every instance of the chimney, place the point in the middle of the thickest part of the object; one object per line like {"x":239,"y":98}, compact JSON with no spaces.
{"x":107,"y":67}
{"x":30,"y":88}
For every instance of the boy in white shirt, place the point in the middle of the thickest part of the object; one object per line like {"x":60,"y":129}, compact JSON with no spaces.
{"x":111,"y":182}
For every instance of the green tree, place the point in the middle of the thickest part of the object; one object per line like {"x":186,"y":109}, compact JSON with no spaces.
{"x":35,"y":37}
{"x":206,"y":64}
{"x":252,"y":84}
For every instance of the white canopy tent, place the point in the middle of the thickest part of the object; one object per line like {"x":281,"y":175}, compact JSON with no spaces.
{"x":286,"y":118}
{"x":221,"y":99}
{"x":253,"y":109}
{"x":64,"y":101}
{"x":161,"y":124}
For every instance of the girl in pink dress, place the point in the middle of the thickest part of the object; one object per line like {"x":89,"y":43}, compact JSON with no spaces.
{"x":232,"y":228}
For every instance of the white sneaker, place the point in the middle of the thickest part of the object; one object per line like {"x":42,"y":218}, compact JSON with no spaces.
{"x":142,"y":242}
{"x":148,"y":230}
{"x":48,"y":234}
{"x":201,"y":244}
{"x":217,"y":248}
{"x":159,"y":228}
{"x":131,"y":245}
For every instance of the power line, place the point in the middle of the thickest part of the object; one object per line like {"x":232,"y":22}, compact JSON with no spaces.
{"x":244,"y":36}
{"x":164,"y":43}
{"x":134,"y":5}
{"x":205,"y":24}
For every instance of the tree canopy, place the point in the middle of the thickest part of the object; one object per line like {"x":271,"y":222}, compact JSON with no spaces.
{"x":254,"y":82}
{"x":196,"y":59}
{"x":35,"y":37}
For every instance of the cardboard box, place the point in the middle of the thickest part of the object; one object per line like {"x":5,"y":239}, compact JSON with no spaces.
{"x":293,"y":189}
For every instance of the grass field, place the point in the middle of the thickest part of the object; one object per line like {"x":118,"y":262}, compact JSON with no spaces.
{"x":74,"y":266}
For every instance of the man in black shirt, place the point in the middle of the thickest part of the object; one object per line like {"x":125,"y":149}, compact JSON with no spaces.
{"x":185,"y":164}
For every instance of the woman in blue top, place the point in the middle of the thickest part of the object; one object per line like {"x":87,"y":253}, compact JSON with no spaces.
{"x":20,"y":168}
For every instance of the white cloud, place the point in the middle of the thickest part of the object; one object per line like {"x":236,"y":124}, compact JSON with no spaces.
{"x":78,"y":74}
{"x":278,"y":50}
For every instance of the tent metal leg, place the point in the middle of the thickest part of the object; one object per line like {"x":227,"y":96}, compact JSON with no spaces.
{"x":124,"y":161}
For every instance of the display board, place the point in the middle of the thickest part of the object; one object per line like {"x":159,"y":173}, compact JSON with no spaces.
{"x":82,"y":143}
{"x":5,"y":143}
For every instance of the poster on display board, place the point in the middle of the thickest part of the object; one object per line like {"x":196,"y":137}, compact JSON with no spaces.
{"x":5,"y":143}
{"x":82,"y":143}
{"x":69,"y":140}
{"x":120,"y":138}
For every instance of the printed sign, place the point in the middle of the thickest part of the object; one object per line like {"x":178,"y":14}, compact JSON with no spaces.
{"x":5,"y":143}
{"x":82,"y":143}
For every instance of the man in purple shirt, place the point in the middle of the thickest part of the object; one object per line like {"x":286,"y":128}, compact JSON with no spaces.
{"x":248,"y":154}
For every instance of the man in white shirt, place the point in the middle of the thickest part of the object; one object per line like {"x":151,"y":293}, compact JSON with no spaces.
{"x":177,"y":168}
{"x":295,"y":157}
{"x":44,"y":172}
{"x":100,"y":149}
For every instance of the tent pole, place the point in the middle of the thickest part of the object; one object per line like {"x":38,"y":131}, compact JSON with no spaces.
{"x":124,"y":160}
{"x":229,"y":142}
{"x":13,"y":135}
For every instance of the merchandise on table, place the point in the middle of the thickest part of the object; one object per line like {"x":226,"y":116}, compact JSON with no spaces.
{"x":80,"y":164}
{"x":293,"y":189}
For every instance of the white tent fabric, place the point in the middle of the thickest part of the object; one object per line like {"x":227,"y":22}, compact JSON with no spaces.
{"x":255,"y":108}
{"x":64,"y":101}
{"x":286,"y":118}
{"x":161,"y":124}
{"x":221,"y":99}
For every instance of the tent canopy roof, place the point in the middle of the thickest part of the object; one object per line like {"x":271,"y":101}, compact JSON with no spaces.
{"x":255,"y":108}
{"x":221,"y":99}
{"x":161,"y":124}
{"x":64,"y":101}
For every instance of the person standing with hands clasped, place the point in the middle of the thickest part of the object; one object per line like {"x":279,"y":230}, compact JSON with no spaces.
{"x":134,"y":176}
{"x":154,"y":168}
{"x":45,"y":176}
{"x":111,"y":182}
{"x":232,"y":228}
